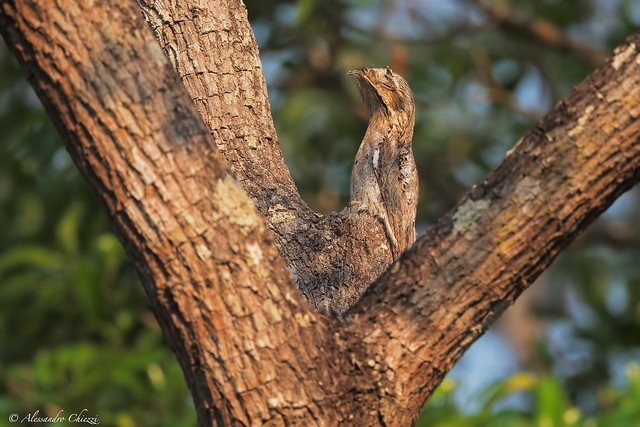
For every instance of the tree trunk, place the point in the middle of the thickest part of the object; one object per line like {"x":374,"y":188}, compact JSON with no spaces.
{"x":214,"y":256}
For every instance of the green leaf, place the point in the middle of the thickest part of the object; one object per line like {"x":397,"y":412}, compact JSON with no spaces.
{"x":551,"y":403}
{"x":30,"y":256}
{"x":67,"y":230}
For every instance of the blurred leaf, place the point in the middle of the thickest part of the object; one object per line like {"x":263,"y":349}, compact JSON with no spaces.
{"x":30,"y":256}
{"x":516,"y":383}
{"x":551,"y":402}
{"x":69,"y":226}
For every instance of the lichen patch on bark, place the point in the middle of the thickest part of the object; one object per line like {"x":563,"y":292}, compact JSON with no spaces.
{"x":203,"y":251}
{"x":622,"y":56}
{"x":255,"y":252}
{"x":527,"y":189}
{"x":582,"y":121}
{"x":467,"y":215}
{"x":280,"y":214}
{"x":232,"y":202}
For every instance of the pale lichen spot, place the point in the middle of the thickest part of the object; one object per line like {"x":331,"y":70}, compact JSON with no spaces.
{"x":231,"y":201}
{"x":255,"y":253}
{"x":290,"y":299}
{"x":259,"y":323}
{"x":549,"y":161}
{"x":467,"y":215}
{"x":187,"y":221}
{"x":527,"y":189}
{"x":229,"y":96}
{"x":304,"y":320}
{"x":582,"y":121}
{"x":280,"y":214}
{"x":249,"y":100}
{"x":247,"y":40}
{"x":276,"y":402}
{"x":252,"y":141}
{"x":514,"y":148}
{"x":203,"y":251}
{"x":622,"y":56}
{"x":263,"y":341}
{"x":272,"y":310}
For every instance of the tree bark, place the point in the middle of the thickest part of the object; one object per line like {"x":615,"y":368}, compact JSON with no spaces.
{"x":333,"y":258}
{"x":207,"y":261}
{"x":252,"y":349}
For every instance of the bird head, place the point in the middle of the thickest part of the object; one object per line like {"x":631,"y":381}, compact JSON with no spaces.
{"x":384,"y":91}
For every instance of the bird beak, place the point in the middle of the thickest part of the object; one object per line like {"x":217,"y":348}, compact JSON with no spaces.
{"x":355,"y":72}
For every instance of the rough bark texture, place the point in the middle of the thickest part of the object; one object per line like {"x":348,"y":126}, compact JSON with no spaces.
{"x":218,"y":287}
{"x":252,"y":350}
{"x":333,"y":258}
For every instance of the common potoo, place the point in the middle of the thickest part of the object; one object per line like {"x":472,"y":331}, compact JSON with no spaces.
{"x":384,"y":180}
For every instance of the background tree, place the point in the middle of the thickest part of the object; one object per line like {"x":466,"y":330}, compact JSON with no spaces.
{"x":462,"y":78}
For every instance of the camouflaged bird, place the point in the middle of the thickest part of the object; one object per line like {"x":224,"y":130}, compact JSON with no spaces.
{"x":384,"y":180}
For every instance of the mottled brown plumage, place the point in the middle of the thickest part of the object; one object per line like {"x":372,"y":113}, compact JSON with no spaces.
{"x":384,"y":180}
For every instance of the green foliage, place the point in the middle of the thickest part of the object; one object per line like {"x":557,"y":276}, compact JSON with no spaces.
{"x":545,"y":400}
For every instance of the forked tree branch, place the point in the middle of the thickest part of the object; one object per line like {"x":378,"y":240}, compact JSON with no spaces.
{"x":212,"y":47}
{"x":252,"y":350}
